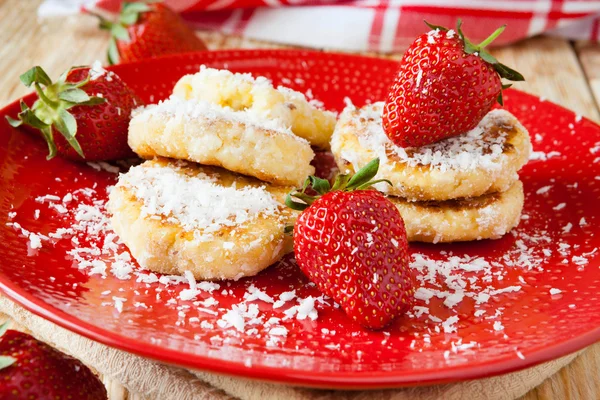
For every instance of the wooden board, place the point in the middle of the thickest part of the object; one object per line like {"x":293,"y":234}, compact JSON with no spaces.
{"x":566,"y":74}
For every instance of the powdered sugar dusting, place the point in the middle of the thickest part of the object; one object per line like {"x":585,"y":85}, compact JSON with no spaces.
{"x":180,"y":109}
{"x":476,"y":149}
{"x":454,"y":288}
{"x":195,"y":202}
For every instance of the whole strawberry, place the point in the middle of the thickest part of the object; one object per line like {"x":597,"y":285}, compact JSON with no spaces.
{"x":30,"y":369}
{"x":444,"y":87}
{"x":146,"y":30}
{"x":83,"y":116}
{"x":351,"y":242}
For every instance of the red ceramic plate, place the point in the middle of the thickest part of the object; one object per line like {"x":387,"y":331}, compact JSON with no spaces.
{"x":527,"y":298}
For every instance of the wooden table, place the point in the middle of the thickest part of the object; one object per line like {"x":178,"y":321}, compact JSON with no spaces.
{"x":563,"y":72}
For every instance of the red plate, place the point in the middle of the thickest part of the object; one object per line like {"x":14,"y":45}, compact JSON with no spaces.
{"x":554,"y":249}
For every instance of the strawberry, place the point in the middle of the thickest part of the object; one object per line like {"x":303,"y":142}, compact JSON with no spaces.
{"x":30,"y":369}
{"x":351,"y":242}
{"x":148,"y":30}
{"x":444,"y":87}
{"x":84,"y":115}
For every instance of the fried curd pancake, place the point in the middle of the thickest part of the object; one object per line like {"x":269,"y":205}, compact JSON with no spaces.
{"x":489,"y":216}
{"x":177,"y":216}
{"x":243,"y":92}
{"x":481,"y":161}
{"x":240,"y":141}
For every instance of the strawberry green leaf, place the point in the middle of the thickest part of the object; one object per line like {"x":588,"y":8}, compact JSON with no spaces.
{"x":131,"y":12}
{"x":469,"y":48}
{"x":506,"y":86}
{"x":120,"y":32}
{"x":295,"y":205}
{"x":74,"y":96}
{"x":15,"y":123}
{"x":319,"y":185}
{"x":434,"y":27}
{"x":35,"y":75}
{"x":371,"y":183}
{"x":6,"y":361}
{"x":137,"y":7}
{"x":69,"y":122}
{"x":29,"y":118}
{"x":508,"y":73}
{"x":459,"y":29}
{"x":288,"y":229}
{"x":93,"y":101}
{"x":341,"y":181}
{"x":42,"y":95}
{"x":129,"y":19}
{"x":4,"y":327}
{"x":487,"y":57}
{"x":113,"y":52}
{"x":47,"y":133}
{"x":67,"y":126}
{"x":360,"y":181}
{"x":364,"y":175}
{"x":499,"y":99}
{"x":104,"y":23}
{"x":24,"y":106}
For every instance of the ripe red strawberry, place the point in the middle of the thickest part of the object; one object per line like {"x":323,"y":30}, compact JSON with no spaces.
{"x":351,"y":242}
{"x":147,"y":30}
{"x":84,"y":115}
{"x":444,"y":87}
{"x":30,"y":369}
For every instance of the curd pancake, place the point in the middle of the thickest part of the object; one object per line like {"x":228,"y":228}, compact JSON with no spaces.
{"x":483,"y":160}
{"x":244,"y":92}
{"x":489,"y":216}
{"x":239,"y":141}
{"x":176,"y":216}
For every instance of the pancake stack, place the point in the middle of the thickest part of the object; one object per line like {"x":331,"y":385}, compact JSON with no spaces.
{"x":459,"y":189}
{"x":223,"y":152}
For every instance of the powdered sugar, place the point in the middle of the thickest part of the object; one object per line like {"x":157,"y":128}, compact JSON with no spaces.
{"x":195,"y":202}
{"x":180,"y":109}
{"x":432,"y":36}
{"x":446,"y":281}
{"x":470,"y":151}
{"x":96,"y":70}
{"x":540,"y":155}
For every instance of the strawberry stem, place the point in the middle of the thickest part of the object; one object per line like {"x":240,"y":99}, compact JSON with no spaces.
{"x":43,"y":96}
{"x":479,"y":50}
{"x":492,"y":37}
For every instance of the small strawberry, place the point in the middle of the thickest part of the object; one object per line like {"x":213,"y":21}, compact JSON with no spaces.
{"x":146,"y":30}
{"x":84,"y":115}
{"x":30,"y":369}
{"x":444,"y":87}
{"x":351,"y":242}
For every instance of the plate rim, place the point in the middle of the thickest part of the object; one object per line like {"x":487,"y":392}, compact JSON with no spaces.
{"x":285,"y":375}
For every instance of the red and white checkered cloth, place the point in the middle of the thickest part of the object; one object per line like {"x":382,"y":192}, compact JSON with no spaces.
{"x":374,"y":25}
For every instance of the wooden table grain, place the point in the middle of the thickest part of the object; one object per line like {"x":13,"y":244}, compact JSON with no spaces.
{"x":563,"y":72}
